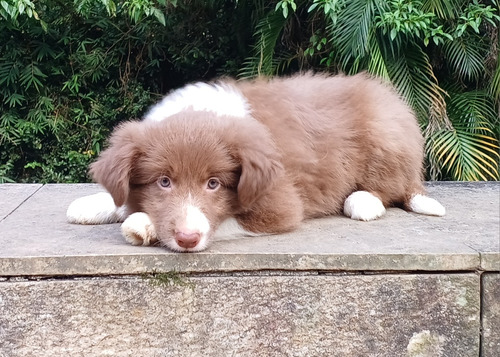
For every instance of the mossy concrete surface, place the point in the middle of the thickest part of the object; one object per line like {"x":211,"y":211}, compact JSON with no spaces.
{"x":252,"y":315}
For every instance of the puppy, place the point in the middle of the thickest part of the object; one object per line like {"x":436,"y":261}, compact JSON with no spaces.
{"x":264,"y":154}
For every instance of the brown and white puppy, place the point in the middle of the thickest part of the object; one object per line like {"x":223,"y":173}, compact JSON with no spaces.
{"x":265,"y":153}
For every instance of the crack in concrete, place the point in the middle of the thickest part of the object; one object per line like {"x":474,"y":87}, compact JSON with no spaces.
{"x":23,"y":202}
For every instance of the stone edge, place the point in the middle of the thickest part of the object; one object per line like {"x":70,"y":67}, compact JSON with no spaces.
{"x":88,"y":265}
{"x":490,"y":261}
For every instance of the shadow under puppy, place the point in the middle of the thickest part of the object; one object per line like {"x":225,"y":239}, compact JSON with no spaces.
{"x":264,"y":155}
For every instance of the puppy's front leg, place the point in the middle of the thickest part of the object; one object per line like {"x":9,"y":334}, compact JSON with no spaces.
{"x":278,"y":211}
{"x":139,"y":230}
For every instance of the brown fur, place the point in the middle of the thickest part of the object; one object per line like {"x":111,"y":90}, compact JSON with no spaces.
{"x":316,"y":139}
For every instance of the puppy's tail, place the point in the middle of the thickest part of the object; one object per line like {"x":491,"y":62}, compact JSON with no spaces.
{"x":423,"y":204}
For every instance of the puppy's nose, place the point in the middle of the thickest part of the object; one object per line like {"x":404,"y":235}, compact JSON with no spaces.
{"x":187,"y":240}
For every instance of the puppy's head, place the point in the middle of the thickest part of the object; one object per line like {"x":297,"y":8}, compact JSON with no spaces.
{"x":189,"y":172}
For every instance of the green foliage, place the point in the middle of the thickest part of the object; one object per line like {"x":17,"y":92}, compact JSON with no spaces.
{"x":12,"y":9}
{"x":467,"y":151}
{"x":71,"y":71}
{"x":423,"y":47}
{"x":284,"y":5}
{"x":267,"y":34}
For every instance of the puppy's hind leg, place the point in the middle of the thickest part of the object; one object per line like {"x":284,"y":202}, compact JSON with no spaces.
{"x":363,"y":206}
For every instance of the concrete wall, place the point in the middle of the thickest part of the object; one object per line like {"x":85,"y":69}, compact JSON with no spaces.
{"x":245,"y":315}
{"x":491,"y":315}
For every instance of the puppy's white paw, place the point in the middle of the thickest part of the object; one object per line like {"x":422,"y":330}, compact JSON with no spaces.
{"x":426,"y":205}
{"x":95,"y":209}
{"x":363,"y":206}
{"x":139,"y":230}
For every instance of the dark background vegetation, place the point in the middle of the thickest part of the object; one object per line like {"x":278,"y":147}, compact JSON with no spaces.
{"x":72,"y":70}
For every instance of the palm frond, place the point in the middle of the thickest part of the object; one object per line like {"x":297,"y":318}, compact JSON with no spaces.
{"x":413,"y":76}
{"x":445,"y":9}
{"x":267,"y":33}
{"x":377,"y":63}
{"x":354,"y":27}
{"x":469,"y":150}
{"x":464,"y":155}
{"x":466,"y":56}
{"x":472,"y":109}
{"x":494,"y":86}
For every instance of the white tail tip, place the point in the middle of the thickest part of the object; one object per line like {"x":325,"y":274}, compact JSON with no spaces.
{"x":425,"y":205}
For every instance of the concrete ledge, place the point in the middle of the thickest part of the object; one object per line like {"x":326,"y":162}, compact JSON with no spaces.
{"x":404,"y":285}
{"x":37,"y":241}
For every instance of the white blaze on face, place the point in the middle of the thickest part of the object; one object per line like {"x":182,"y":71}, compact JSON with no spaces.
{"x":195,"y":221}
{"x":192,"y":220}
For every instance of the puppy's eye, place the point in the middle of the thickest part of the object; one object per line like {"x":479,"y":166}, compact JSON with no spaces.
{"x":213,"y":183}
{"x":164,"y":182}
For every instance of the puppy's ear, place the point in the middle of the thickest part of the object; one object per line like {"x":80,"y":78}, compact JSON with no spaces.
{"x":260,"y":165}
{"x":114,"y":166}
